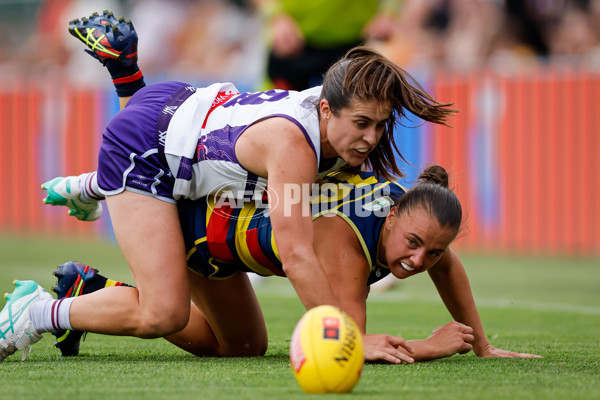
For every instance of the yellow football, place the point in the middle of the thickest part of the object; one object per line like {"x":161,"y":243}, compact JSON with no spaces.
{"x":326,"y":352}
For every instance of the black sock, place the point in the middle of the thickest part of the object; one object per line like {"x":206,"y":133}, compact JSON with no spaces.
{"x":127,"y":79}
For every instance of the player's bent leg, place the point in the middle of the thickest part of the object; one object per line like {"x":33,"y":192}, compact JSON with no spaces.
{"x":76,"y":279}
{"x":197,"y":337}
{"x":226,"y":319}
{"x":149,"y":235}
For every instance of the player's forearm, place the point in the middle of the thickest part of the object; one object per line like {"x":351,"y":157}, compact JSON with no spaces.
{"x":308,"y":279}
{"x":294,"y":239}
{"x":358,"y":313}
{"x":461,"y":305}
{"x":453,"y":286}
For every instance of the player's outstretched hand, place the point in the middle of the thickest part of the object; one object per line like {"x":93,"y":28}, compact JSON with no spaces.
{"x":387,"y":348}
{"x":450,"y":339}
{"x":491,"y":351}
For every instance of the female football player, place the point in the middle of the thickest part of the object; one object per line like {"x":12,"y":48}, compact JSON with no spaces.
{"x":173,"y":142}
{"x":151,"y":245}
{"x":364,"y":230}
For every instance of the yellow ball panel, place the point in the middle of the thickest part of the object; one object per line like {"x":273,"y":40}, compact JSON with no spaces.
{"x":326,"y":352}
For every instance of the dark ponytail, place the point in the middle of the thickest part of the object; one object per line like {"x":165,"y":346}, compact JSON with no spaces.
{"x":434,"y":196}
{"x":435,"y":174}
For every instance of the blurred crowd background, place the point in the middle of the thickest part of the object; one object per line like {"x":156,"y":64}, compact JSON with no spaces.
{"x":216,"y":40}
{"x":524,"y":150}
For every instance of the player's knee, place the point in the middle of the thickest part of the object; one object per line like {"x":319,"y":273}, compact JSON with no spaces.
{"x":259,"y":348}
{"x":260,"y":351}
{"x":160,"y":324}
{"x":247,"y":348}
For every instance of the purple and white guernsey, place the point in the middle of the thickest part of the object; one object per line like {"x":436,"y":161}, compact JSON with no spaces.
{"x":199,"y":143}
{"x":175,"y":141}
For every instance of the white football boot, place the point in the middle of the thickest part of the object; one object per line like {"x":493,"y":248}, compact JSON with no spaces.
{"x":65,"y":192}
{"x":16,"y":328}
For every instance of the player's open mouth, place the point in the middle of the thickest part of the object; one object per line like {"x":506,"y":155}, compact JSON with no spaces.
{"x":362,"y":151}
{"x":406,"y":267}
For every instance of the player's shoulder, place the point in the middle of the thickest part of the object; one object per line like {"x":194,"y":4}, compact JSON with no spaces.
{"x":365,"y":181}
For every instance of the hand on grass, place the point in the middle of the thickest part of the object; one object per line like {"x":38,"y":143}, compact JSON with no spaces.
{"x":491,"y":351}
{"x":387,"y":348}
{"x":451,"y":338}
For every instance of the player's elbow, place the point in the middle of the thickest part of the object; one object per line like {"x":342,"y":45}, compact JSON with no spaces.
{"x":296,"y":261}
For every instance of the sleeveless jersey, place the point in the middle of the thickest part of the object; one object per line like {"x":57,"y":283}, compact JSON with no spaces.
{"x":199,"y":144}
{"x":221,"y":240}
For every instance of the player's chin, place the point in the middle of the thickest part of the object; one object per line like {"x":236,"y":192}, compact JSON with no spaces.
{"x":355,"y":158}
{"x":401,"y":273}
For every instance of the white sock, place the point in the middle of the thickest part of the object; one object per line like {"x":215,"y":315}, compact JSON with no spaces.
{"x":89,"y":189}
{"x":51,"y":315}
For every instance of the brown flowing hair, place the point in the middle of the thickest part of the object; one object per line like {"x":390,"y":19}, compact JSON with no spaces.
{"x":365,"y":74}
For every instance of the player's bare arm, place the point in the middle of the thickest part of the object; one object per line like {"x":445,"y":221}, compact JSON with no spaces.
{"x":452,"y":283}
{"x":290,"y":165}
{"x":347,"y":270}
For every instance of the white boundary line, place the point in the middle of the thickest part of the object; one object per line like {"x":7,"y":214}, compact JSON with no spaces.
{"x":491,"y":303}
{"x":400,"y":297}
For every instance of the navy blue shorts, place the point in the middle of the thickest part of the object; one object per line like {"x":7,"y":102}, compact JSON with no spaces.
{"x":130,"y":157}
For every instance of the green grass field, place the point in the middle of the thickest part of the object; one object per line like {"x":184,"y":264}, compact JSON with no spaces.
{"x":546,"y":306}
